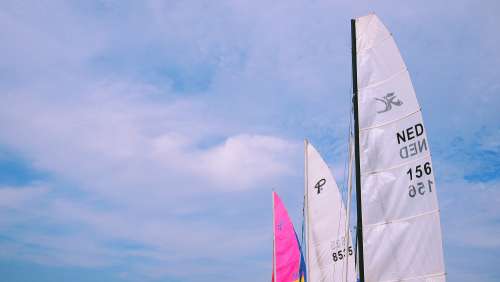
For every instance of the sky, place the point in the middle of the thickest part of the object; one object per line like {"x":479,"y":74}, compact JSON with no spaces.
{"x":141,"y":140}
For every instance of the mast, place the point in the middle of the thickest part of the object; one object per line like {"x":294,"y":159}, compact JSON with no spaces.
{"x":274,"y":242}
{"x":359,"y":224}
{"x":306,"y":206}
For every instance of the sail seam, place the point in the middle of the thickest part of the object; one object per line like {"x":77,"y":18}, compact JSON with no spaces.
{"x":396,"y":166}
{"x":392,"y":121}
{"x":401,"y":219}
{"x":375,"y":84}
{"x":418,"y":277}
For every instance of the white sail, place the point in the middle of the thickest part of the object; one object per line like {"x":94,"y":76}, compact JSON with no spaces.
{"x":330,"y":254}
{"x":401,"y":226}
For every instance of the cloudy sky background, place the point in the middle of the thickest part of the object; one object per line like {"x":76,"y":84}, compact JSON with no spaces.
{"x":140,"y":141}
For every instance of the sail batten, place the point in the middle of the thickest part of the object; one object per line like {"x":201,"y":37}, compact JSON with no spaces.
{"x":400,"y":219}
{"x":433,"y":275}
{"x":392,"y":121}
{"x":401,"y":226}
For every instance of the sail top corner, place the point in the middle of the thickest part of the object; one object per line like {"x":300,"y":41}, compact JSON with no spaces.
{"x":370,"y":31}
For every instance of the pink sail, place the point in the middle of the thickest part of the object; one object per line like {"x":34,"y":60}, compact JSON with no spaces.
{"x":286,"y":259}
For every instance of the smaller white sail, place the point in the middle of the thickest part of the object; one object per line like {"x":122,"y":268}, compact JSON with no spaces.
{"x":330,"y":254}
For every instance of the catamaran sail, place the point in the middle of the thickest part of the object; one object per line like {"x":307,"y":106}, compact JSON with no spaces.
{"x":329,"y":253}
{"x":400,"y":214}
{"x":287,"y":258}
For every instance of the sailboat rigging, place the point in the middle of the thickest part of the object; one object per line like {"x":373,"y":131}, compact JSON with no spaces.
{"x":398,"y":231}
{"x":398,"y":226}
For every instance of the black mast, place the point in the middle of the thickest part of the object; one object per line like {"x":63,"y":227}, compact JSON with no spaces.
{"x":359,"y":224}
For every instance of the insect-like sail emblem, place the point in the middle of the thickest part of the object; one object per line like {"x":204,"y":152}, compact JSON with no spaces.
{"x":389,"y":100}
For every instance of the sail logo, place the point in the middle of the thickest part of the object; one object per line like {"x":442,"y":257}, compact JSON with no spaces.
{"x":389,"y":100}
{"x":319,"y":185}
{"x":280,"y":225}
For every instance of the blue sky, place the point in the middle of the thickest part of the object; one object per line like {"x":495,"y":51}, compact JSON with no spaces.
{"x":140,"y":141}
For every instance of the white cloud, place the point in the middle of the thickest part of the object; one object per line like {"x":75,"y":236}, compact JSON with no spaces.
{"x":112,"y":133}
{"x":244,"y":160}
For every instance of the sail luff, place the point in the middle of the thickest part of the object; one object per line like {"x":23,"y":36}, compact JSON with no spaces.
{"x":349,"y":191}
{"x":306,"y":197}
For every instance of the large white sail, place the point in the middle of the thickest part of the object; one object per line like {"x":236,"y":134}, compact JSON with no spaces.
{"x":330,"y":255}
{"x":401,"y":226}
